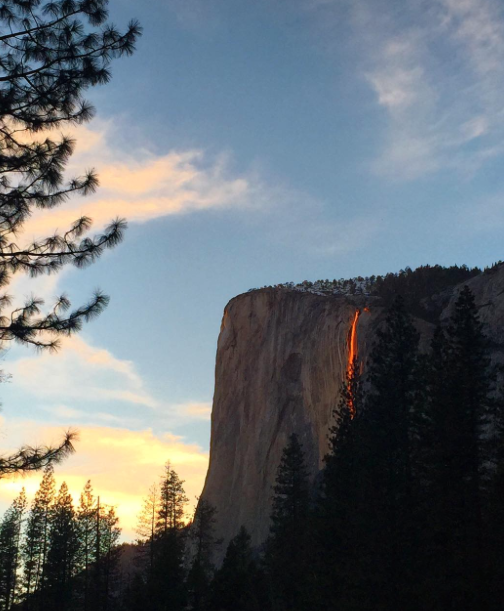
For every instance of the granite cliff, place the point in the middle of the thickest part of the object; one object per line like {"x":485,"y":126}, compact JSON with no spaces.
{"x":281,"y":358}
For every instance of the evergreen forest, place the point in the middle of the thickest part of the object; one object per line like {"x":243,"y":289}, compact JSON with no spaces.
{"x":407,"y":514}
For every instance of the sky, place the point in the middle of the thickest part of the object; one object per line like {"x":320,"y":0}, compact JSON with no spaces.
{"x":248,"y":143}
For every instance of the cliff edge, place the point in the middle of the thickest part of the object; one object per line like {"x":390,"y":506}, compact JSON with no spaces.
{"x":281,"y":358}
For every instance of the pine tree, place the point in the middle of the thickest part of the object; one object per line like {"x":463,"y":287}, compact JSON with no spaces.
{"x":86,"y":533}
{"x":172,"y":501}
{"x":10,"y":538}
{"x":342,"y":509}
{"x":454,"y":460}
{"x":393,"y":374}
{"x":167,"y":586}
{"x":203,"y":543}
{"x":493,"y":538}
{"x":237,"y":584}
{"x":51,"y":52}
{"x":287,"y":546}
{"x":33,"y":458}
{"x":146,"y":527}
{"x":387,"y":533}
{"x":36,"y":542}
{"x":165,"y":581}
{"x":62,"y":553}
{"x":20,"y":506}
{"x":107,"y":553}
{"x":8,"y":551}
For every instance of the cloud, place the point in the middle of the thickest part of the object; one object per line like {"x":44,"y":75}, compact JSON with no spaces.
{"x":84,"y":374}
{"x":436,"y":69}
{"x":144,"y":186}
{"x":81,"y":371}
{"x":477,"y":25}
{"x":63,"y":412}
{"x":121,"y":464}
{"x":398,"y":80}
{"x":193,"y":411}
{"x":168,"y":416}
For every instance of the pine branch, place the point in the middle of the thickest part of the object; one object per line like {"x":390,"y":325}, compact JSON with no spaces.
{"x":29,"y":458}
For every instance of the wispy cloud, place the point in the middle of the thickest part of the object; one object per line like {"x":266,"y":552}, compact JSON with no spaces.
{"x":168,"y":416}
{"x":111,"y":389}
{"x":120,"y":463}
{"x":450,"y":72}
{"x":144,"y":186}
{"x":437,"y":71}
{"x":81,"y":371}
{"x":71,"y":415}
{"x":193,"y":411}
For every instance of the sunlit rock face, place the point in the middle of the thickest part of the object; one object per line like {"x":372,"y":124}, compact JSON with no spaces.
{"x":281,"y":360}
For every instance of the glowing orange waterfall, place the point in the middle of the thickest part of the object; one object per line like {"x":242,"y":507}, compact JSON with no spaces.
{"x":352,"y":341}
{"x":352,"y":352}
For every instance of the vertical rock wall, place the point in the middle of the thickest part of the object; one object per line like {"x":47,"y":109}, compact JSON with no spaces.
{"x":281,"y":359}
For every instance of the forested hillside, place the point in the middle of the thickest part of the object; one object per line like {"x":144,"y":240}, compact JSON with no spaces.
{"x":424,"y":289}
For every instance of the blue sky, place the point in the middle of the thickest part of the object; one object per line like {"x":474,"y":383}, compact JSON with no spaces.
{"x":251,"y":143}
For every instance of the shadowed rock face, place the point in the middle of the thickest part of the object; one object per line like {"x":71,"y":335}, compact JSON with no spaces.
{"x":281,"y":360}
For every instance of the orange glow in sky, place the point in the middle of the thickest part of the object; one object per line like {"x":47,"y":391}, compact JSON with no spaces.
{"x":121,"y":465}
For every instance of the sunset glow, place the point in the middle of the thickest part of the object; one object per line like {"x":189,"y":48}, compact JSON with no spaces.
{"x":249,"y":144}
{"x":120,"y":463}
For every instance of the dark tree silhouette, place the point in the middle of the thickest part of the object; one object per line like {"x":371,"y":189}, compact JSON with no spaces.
{"x":201,"y":533}
{"x":34,"y":458}
{"x":341,"y":510}
{"x":386,"y":430}
{"x":68,"y":558}
{"x":454,"y":459}
{"x":36,"y":540}
{"x":163,"y":535}
{"x":237,"y":584}
{"x":494,"y":516}
{"x":57,"y":587}
{"x":10,"y":540}
{"x":146,"y":528}
{"x":286,"y":556}
{"x":86,"y":533}
{"x":50,"y":54}
{"x":172,"y":501}
{"x":106,"y":556}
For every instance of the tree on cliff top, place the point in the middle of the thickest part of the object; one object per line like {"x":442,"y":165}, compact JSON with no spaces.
{"x":50,"y":53}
